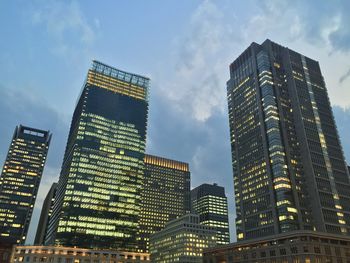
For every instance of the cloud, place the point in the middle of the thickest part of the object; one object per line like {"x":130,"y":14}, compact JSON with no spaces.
{"x":196,"y":83}
{"x":66,"y":25}
{"x":203,"y":144}
{"x":344,"y":77}
{"x":342,"y":119}
{"x":31,"y":111}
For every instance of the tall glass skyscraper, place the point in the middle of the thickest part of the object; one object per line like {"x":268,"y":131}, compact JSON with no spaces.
{"x":210,"y":203}
{"x":19,"y":182}
{"x":289,"y":168}
{"x":165,"y":195}
{"x":98,"y":196}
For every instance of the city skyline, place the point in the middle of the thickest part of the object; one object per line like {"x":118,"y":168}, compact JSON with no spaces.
{"x":205,"y":124}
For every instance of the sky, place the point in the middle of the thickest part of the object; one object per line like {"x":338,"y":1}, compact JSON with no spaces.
{"x":185,"y":47}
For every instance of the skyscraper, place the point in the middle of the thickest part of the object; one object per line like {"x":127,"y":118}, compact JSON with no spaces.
{"x":20,"y":179}
{"x":45,"y":215}
{"x":210,"y":203}
{"x":98,"y":195}
{"x":289,"y":168}
{"x":165,"y":195}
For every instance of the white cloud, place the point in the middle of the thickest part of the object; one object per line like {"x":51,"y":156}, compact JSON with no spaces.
{"x":215,"y":36}
{"x":197,"y":83}
{"x":66,"y":25}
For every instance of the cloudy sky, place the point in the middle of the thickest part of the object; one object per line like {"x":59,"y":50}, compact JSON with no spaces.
{"x":185,"y":47}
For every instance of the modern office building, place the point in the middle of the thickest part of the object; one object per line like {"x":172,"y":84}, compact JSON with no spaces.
{"x":292,"y":247}
{"x":288,"y":163}
{"x":54,"y":254}
{"x":45,"y":215}
{"x":98,"y":195}
{"x":165,"y":195}
{"x":210,"y":203}
{"x":19,"y":182}
{"x":182,"y":240}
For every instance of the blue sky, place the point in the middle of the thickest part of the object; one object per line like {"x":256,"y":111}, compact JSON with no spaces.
{"x":185,"y":47}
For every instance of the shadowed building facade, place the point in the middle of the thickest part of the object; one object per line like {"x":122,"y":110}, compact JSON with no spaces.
{"x":98,"y":196}
{"x":210,"y":203}
{"x":182,"y":240}
{"x":20,"y":179}
{"x":165,"y":195}
{"x":45,"y":215}
{"x":289,"y":168}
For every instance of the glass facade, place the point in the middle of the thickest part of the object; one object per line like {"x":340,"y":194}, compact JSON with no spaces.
{"x":45,"y":215}
{"x":20,"y":179}
{"x":288,"y":164}
{"x":165,"y":196}
{"x":210,"y":203}
{"x":98,"y":197}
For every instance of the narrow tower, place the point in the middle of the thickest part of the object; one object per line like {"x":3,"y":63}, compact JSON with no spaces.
{"x":20,"y":179}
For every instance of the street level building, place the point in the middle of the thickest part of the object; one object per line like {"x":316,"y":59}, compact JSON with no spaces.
{"x":288,"y":164}
{"x":292,"y":247}
{"x":98,"y":195}
{"x":45,"y":215}
{"x":182,"y":240}
{"x":165,"y":195}
{"x":52,"y":254}
{"x":19,"y":182}
{"x":210,"y":203}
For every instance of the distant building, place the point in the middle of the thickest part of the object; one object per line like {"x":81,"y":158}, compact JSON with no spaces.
{"x":289,"y":168}
{"x":45,"y":215}
{"x":35,"y":254}
{"x":210,"y":203}
{"x":19,"y":182}
{"x":182,"y":240}
{"x":165,"y":195}
{"x":98,"y":194}
{"x":296,"y":246}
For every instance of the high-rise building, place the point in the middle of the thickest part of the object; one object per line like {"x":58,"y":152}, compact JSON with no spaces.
{"x":210,"y":203}
{"x":182,"y":240}
{"x":98,"y":195}
{"x":45,"y":215}
{"x":165,"y":195}
{"x":289,"y":168}
{"x":19,"y":182}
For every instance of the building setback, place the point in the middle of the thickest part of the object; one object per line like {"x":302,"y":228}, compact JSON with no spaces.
{"x":20,"y":179}
{"x":210,"y":203}
{"x":182,"y":240}
{"x":98,"y":196}
{"x":289,"y":168}
{"x":165,"y":195}
{"x":45,"y":215}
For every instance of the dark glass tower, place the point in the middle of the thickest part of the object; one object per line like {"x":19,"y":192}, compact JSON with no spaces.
{"x":165,"y":196}
{"x":45,"y":215}
{"x":98,"y":196}
{"x":20,"y":179}
{"x":210,"y":203}
{"x":289,"y":168}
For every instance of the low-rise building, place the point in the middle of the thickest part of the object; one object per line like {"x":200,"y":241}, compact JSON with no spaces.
{"x":293,"y":247}
{"x":182,"y":240}
{"x":52,"y":254}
